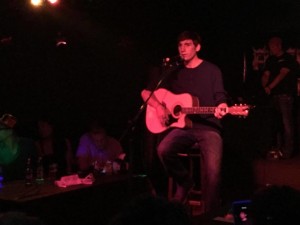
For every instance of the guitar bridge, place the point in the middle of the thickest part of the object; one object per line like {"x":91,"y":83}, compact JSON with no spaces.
{"x":170,"y":120}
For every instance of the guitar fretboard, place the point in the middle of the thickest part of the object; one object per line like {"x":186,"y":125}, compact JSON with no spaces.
{"x":198,"y":110}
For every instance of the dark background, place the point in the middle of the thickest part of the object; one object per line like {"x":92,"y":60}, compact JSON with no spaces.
{"x":111,"y":45}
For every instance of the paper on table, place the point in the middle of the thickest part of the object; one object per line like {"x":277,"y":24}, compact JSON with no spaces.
{"x":74,"y":179}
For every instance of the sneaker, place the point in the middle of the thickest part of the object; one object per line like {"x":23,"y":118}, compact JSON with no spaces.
{"x":183,"y":191}
{"x":274,"y":155}
{"x":286,"y":155}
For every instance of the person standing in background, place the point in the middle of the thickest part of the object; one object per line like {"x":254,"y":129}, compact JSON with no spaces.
{"x":279,"y":82}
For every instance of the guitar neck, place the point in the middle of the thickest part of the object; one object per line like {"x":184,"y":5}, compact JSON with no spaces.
{"x":199,"y":110}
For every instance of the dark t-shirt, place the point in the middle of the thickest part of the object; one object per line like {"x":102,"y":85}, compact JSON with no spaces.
{"x":58,"y":157}
{"x":204,"y":82}
{"x":274,"y":64}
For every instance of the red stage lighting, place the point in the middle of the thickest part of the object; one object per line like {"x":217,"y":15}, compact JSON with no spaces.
{"x":53,"y":2}
{"x":36,"y":2}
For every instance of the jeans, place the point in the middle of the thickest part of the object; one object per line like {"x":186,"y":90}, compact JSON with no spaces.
{"x":211,"y":148}
{"x":284,"y":123}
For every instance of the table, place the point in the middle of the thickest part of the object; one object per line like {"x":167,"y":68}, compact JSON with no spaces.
{"x":77,"y":204}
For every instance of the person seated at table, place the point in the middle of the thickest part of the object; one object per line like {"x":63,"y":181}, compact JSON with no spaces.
{"x":56,"y":151}
{"x":97,"y":147}
{"x":14,"y":150}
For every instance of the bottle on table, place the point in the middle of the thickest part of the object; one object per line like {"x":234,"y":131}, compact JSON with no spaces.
{"x":53,"y":170}
{"x":28,"y":172}
{"x":39,"y":171}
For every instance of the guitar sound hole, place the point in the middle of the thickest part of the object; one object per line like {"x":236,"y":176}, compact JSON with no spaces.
{"x":177,"y":110}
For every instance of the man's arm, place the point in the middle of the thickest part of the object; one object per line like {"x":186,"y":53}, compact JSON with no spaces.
{"x":153,"y":101}
{"x":282,"y":74}
{"x":265,"y":81}
{"x":265,"y":78}
{"x":161,"y":111}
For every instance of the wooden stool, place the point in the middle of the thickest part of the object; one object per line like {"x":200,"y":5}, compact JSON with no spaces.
{"x":194,"y":200}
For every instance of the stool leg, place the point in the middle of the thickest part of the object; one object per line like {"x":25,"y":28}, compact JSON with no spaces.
{"x":195,"y":202}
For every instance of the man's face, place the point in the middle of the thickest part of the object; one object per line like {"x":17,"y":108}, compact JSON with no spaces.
{"x":45,"y":129}
{"x":187,"y":49}
{"x":99,"y":139}
{"x":275,"y":46}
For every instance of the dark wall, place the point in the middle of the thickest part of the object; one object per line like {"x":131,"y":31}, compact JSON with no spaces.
{"x":111,"y":46}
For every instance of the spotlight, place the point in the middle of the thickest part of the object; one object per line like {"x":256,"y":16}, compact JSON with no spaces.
{"x":36,"y":2}
{"x":53,"y":2}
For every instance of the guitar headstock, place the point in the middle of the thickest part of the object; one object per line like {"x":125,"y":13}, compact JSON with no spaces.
{"x":239,"y":110}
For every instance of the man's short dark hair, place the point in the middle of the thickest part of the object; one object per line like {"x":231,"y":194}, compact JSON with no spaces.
{"x":194,"y":36}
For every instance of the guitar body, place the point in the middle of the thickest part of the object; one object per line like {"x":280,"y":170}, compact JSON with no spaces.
{"x":174,"y":103}
{"x":181,"y":105}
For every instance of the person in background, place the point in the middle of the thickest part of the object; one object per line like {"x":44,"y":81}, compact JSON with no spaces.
{"x":276,"y":205}
{"x":201,"y":79}
{"x":95,"y":146}
{"x":56,"y":151}
{"x":14,"y":150}
{"x":279,"y":82}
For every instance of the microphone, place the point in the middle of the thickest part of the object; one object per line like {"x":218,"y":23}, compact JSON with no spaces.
{"x":172,"y":61}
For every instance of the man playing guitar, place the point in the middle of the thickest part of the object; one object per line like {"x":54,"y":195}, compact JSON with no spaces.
{"x":203,"y":80}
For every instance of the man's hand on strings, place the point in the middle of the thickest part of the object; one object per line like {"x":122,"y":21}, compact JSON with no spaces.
{"x":162,"y":114}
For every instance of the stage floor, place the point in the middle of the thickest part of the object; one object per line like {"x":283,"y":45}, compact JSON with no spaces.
{"x":265,"y":172}
{"x":278,"y":172}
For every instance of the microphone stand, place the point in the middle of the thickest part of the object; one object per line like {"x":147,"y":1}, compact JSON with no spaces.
{"x":168,"y":68}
